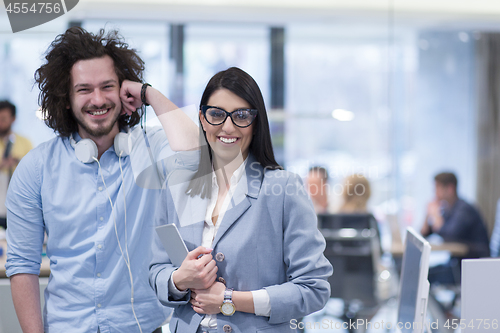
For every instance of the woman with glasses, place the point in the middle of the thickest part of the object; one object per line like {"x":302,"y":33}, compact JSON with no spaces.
{"x":256,"y":257}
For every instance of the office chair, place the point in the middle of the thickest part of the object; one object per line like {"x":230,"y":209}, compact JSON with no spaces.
{"x":353,"y":248}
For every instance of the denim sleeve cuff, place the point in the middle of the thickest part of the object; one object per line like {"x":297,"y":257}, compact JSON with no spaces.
{"x":17,"y":265}
{"x":22,"y":270}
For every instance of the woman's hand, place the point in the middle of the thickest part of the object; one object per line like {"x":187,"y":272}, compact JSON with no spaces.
{"x":196,"y":272}
{"x":208,"y":301}
{"x":130,"y":94}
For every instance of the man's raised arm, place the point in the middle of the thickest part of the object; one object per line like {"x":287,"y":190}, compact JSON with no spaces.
{"x":182,"y":133}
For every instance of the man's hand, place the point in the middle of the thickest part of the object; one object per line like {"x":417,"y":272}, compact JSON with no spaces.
{"x":182,"y":133}
{"x":208,"y":301}
{"x":196,"y":272}
{"x":434,"y":214}
{"x":130,"y":94}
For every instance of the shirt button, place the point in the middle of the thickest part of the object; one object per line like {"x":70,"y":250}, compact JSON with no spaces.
{"x":221,"y":280}
{"x":227,"y":329}
{"x":219,"y":256}
{"x":99,"y":246}
{"x":99,"y":305}
{"x":98,"y":274}
{"x":101,"y":218}
{"x":100,"y":188}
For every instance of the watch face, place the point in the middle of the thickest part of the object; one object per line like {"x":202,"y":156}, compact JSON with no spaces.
{"x":227,"y":308}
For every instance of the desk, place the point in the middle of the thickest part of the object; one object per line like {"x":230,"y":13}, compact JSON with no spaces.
{"x":44,"y":269}
{"x":455,"y":249}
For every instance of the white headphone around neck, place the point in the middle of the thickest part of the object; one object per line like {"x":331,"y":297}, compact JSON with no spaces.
{"x":86,"y":149}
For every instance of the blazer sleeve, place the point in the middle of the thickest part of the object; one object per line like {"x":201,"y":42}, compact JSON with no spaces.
{"x":307,"y":288}
{"x":161,"y":267}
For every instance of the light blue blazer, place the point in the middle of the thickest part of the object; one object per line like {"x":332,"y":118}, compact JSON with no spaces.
{"x":268,"y":240}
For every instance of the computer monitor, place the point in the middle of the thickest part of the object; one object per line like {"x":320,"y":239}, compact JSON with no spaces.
{"x":414,"y":286}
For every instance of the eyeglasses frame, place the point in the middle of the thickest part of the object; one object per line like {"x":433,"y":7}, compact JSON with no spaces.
{"x":204,"y":109}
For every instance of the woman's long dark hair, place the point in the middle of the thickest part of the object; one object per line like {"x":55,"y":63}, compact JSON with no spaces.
{"x":244,"y":86}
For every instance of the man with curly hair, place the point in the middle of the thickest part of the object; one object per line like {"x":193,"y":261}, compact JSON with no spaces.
{"x":97,"y":216}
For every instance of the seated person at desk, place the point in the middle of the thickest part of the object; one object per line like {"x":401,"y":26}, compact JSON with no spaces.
{"x":495,"y":236}
{"x":318,"y":189}
{"x":356,"y":193}
{"x":454,"y":219}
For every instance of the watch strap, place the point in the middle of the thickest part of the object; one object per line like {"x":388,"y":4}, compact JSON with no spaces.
{"x":228,"y":295}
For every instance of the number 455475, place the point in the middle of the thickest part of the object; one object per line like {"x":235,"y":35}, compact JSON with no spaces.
{"x":40,"y":7}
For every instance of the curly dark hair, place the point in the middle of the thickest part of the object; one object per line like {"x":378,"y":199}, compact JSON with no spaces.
{"x":54,"y":77}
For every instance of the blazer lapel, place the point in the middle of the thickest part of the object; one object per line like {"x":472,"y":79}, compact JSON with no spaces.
{"x":254,"y":173}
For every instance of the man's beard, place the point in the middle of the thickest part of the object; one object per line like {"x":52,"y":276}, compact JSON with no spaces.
{"x":99,"y":131}
{"x":3,"y":133}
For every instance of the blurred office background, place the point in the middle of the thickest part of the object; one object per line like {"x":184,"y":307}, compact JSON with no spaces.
{"x":413,"y":83}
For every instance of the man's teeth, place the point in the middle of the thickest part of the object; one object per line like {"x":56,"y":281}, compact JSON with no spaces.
{"x":98,"y":112}
{"x":226,"y":140}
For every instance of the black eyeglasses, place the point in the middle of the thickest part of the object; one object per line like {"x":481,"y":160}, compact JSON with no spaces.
{"x":217,"y":116}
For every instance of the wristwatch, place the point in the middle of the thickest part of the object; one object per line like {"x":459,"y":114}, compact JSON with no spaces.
{"x":227,"y":308}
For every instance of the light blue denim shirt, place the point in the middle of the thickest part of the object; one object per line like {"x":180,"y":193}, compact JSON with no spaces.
{"x":89,"y":285}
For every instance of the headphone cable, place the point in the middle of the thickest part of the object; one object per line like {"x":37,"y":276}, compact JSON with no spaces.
{"x":127,"y":259}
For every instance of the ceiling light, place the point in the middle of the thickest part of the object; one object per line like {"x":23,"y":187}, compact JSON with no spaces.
{"x":342,"y":115}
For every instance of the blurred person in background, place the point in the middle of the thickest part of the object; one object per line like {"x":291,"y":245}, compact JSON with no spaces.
{"x":318,"y":189}
{"x":12,"y":147}
{"x":356,"y":192}
{"x":495,"y":236}
{"x":454,"y":219}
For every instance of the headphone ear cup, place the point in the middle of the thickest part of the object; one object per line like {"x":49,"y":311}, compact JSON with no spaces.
{"x":86,"y":151}
{"x":123,"y":144}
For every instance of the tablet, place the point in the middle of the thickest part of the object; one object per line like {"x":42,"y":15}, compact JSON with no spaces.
{"x":173,"y":243}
